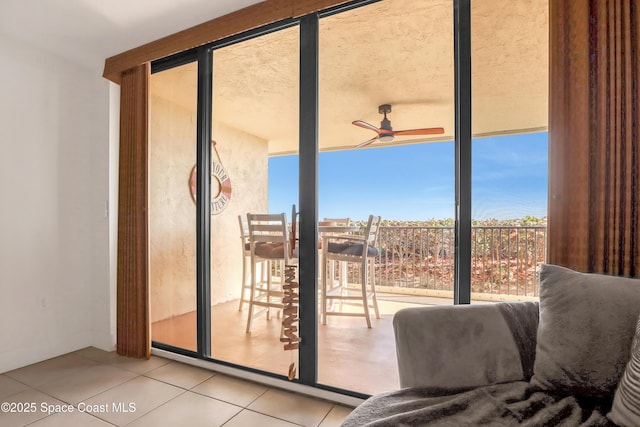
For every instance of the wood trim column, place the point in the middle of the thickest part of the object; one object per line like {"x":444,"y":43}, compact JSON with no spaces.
{"x":133,"y":331}
{"x":594,"y":130}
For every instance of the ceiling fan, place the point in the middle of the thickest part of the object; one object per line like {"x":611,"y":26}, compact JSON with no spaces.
{"x":386,"y":133}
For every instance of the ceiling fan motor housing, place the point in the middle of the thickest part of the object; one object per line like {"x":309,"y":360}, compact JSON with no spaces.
{"x":385,"y":123}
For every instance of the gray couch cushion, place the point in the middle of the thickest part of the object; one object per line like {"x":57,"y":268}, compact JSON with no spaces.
{"x":586,"y":326}
{"x":626,"y":403}
{"x":455,"y":347}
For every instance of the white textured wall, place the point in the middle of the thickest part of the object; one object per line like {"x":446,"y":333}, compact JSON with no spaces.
{"x":245,"y":158}
{"x":55,"y":290}
{"x":172,"y":213}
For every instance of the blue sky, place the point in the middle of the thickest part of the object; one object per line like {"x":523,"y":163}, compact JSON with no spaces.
{"x":416,"y":182}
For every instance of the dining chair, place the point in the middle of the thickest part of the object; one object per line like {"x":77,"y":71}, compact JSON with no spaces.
{"x":246,"y":253}
{"x":268,"y":243}
{"x":245,"y":288}
{"x":359,"y":250}
{"x":295,"y":228}
{"x":345,"y":222}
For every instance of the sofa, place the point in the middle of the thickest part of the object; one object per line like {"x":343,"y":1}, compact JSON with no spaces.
{"x":571,"y":359}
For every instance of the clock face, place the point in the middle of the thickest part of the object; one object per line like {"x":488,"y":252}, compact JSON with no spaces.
{"x":220,"y":187}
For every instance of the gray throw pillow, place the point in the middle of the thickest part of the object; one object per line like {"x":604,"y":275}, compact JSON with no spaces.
{"x":626,"y":403}
{"x":587,"y":323}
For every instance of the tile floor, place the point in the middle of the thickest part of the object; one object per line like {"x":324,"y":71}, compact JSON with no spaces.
{"x":91,"y":387}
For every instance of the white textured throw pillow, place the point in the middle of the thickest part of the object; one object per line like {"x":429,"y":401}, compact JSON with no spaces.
{"x":626,"y":402}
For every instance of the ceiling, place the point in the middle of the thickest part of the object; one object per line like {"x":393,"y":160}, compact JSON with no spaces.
{"x":394,"y":51}
{"x":89,"y":31}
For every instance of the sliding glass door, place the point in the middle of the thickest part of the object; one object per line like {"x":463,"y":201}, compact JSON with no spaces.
{"x":254,"y":122}
{"x":364,"y":109}
{"x":172,"y":213}
{"x":384,"y":67}
{"x":510,"y":118}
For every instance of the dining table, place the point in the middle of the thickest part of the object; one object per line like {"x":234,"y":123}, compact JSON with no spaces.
{"x":336,"y":229}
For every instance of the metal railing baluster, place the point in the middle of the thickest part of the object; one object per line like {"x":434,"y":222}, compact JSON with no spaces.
{"x":504,"y":258}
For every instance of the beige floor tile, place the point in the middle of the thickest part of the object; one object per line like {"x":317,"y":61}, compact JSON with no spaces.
{"x":71,"y":419}
{"x":291,"y":407}
{"x":232,"y":390}
{"x":9,"y":386}
{"x":250,"y":418}
{"x":145,"y":394}
{"x":181,"y":375}
{"x":336,"y":416}
{"x":139,"y":366}
{"x":49,"y":370}
{"x":84,"y":382}
{"x":33,"y":413}
{"x":188,"y":409}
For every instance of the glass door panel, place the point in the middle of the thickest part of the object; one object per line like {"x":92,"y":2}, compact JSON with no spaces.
{"x":255,"y":124}
{"x":391,"y":60}
{"x":172,"y":212}
{"x":509,"y":168}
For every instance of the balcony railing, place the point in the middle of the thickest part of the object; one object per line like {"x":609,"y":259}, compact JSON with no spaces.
{"x":419,"y":260}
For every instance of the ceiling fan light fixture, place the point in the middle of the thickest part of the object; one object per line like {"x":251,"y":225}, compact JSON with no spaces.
{"x":386,"y":138}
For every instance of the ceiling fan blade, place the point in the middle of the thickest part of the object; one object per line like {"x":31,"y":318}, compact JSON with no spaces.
{"x":364,"y":144}
{"x":425,"y":131}
{"x":366,"y":125}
